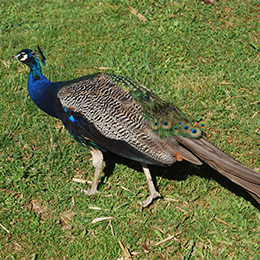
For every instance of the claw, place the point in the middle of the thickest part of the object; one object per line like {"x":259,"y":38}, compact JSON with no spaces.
{"x":150,"y":199}
{"x":90,"y":191}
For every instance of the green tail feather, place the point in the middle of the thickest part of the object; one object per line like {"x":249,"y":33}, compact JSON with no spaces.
{"x":165,"y":119}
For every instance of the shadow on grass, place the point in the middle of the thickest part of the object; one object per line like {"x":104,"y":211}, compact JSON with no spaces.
{"x":179,"y":171}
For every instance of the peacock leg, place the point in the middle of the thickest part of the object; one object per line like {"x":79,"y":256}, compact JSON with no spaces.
{"x":153,"y":193}
{"x":97,"y":161}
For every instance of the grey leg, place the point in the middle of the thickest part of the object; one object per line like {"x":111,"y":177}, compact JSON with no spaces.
{"x":153,"y":193}
{"x":97,"y":160}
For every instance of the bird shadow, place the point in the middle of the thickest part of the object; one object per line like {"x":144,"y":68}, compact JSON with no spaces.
{"x":178,"y":171}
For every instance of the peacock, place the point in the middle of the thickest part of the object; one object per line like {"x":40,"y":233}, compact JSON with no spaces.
{"x":106,"y":112}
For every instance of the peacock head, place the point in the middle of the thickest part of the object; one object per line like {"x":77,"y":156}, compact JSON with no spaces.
{"x":29,"y":58}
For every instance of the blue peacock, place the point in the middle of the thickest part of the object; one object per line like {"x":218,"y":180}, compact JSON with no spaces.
{"x":105,"y":112}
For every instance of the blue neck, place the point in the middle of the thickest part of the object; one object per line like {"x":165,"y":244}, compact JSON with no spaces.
{"x":42,"y":91}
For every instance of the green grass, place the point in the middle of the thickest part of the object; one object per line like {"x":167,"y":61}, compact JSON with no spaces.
{"x":204,"y":58}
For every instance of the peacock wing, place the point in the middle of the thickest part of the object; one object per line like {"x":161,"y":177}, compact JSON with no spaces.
{"x":96,"y":111}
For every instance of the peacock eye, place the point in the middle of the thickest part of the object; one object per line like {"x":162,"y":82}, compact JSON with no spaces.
{"x":23,"y":56}
{"x":154,"y":125}
{"x":194,"y":131}
{"x":165,"y":123}
{"x":203,"y":124}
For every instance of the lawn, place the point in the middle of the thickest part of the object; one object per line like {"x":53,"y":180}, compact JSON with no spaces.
{"x":202,"y":57}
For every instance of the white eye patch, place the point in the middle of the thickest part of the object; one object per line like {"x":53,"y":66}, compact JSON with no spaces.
{"x":23,"y":56}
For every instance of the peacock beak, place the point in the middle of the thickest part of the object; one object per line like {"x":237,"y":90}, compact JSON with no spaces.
{"x":16,"y":56}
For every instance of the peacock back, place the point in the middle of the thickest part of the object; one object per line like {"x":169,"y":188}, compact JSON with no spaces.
{"x":119,"y":115}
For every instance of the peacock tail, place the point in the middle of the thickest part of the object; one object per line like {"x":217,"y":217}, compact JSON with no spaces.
{"x":164,"y":119}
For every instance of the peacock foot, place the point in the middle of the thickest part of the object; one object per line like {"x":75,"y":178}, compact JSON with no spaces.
{"x":150,"y":199}
{"x":90,"y":191}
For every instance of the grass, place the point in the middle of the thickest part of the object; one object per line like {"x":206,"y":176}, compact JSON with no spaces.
{"x":203,"y":57}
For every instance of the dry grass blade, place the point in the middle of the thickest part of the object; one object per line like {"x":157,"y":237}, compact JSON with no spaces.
{"x":100,"y":219}
{"x":4,"y":228}
{"x":102,"y":68}
{"x":137,"y":14}
{"x":79,"y":180}
{"x":96,"y":208}
{"x":165,"y":240}
{"x":224,"y":222}
{"x":125,"y":251}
